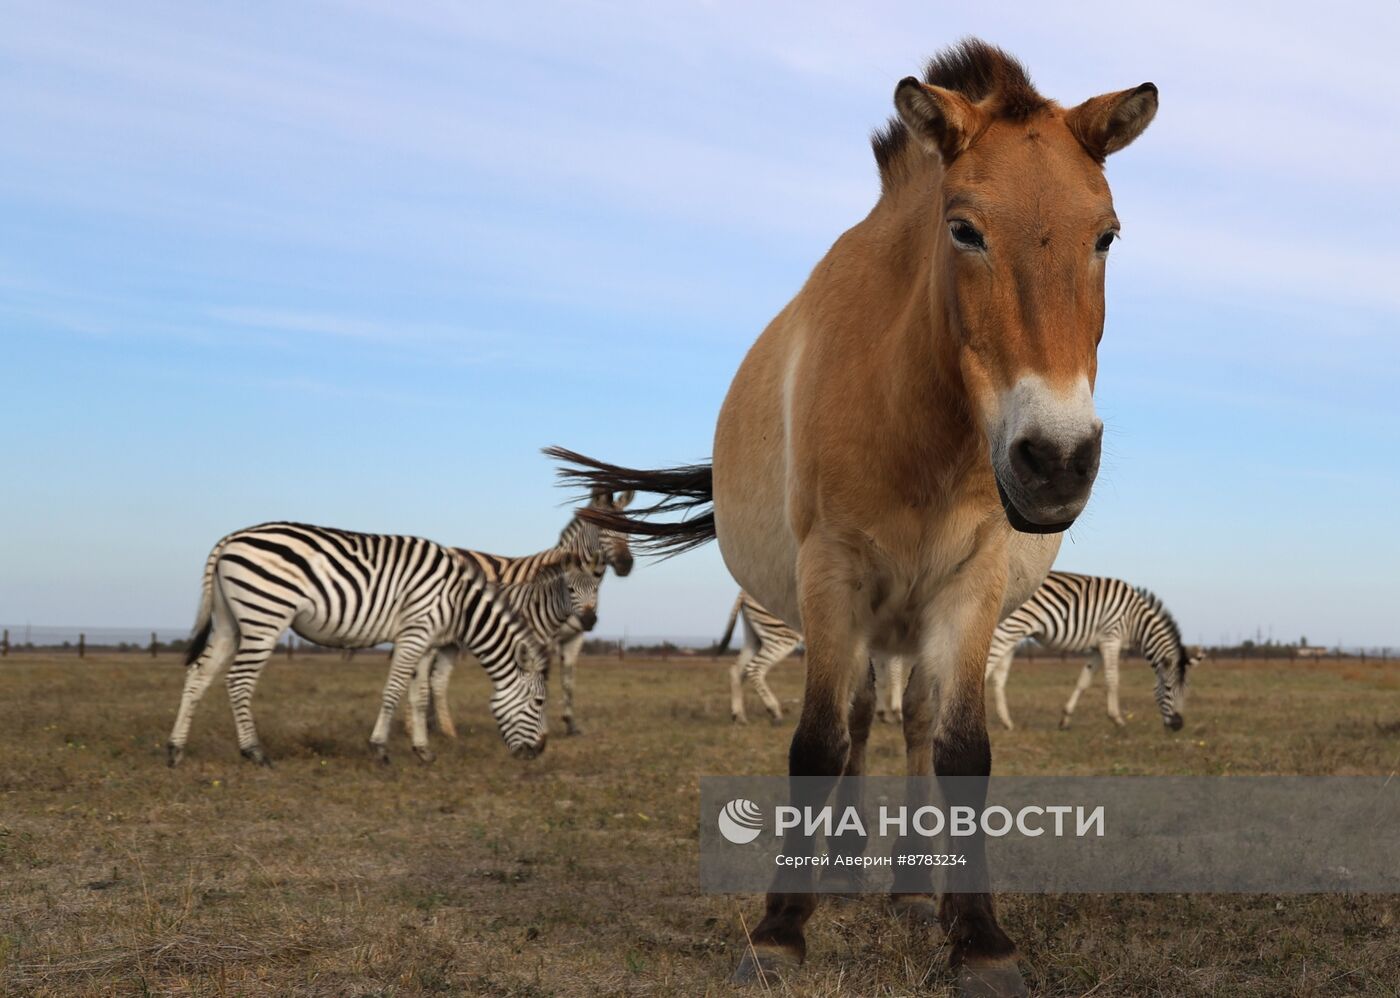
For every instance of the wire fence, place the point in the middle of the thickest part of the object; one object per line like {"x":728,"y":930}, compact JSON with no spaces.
{"x":82,"y":641}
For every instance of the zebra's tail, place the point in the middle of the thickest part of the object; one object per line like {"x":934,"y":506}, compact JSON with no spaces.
{"x":204,"y":616}
{"x":687,"y":490}
{"x":722,"y":645}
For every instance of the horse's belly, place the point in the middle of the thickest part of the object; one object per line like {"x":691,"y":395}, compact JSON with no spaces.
{"x":750,"y":485}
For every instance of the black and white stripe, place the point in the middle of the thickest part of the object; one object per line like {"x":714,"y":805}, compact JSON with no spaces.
{"x":595,"y":549}
{"x":767,"y":641}
{"x":1079,"y":613}
{"x":353,"y":590}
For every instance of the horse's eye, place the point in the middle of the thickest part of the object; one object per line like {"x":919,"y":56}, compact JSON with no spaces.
{"x":1105,"y":241}
{"x":966,"y":236}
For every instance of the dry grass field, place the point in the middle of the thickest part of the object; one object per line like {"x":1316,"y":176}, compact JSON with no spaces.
{"x":575,"y":874}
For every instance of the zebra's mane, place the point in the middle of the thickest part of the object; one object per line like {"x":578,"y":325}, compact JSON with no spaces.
{"x":1163,"y":614}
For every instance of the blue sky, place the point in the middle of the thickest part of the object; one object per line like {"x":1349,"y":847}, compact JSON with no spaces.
{"x":354,"y":263}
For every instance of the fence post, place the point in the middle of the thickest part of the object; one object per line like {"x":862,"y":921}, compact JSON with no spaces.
{"x":153,"y":644}
{"x":5,"y":644}
{"x":82,"y":645}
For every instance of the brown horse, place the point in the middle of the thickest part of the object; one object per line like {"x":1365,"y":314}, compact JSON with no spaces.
{"x":902,"y":446}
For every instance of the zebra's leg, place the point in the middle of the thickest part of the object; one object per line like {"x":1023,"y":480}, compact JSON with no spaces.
{"x":1086,"y":676}
{"x":440,"y":673}
{"x":418,"y":707}
{"x":736,"y":684}
{"x":568,"y":659}
{"x":1108,"y":652}
{"x":773,"y":652}
{"x":410,"y":648}
{"x":199,"y":675}
{"x":999,"y":671}
{"x":256,"y":643}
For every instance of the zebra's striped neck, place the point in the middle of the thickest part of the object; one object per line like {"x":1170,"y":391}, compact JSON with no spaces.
{"x":1154,"y":631}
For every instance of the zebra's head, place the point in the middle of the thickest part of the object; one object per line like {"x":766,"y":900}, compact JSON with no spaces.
{"x":1171,"y":659}
{"x":613,"y":545}
{"x":1172,"y":669}
{"x":518,"y":703}
{"x":584,"y":578}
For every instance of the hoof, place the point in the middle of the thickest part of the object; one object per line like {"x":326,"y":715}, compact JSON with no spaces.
{"x":256,"y":754}
{"x":449,"y":731}
{"x":763,"y":966}
{"x":917,"y":909}
{"x":379,"y":752}
{"x":570,"y":728}
{"x":173,"y":754}
{"x":1119,"y":722}
{"x":993,"y":979}
{"x":1064,"y":722}
{"x":425,"y":755}
{"x":776,"y":720}
{"x":738,"y":718}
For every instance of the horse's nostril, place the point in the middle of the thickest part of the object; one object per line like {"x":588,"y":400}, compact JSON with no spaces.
{"x":1085,"y":461}
{"x":1033,"y":458}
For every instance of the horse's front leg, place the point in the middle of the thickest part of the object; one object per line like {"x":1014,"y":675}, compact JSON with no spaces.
{"x":983,"y":954}
{"x":820,"y":748}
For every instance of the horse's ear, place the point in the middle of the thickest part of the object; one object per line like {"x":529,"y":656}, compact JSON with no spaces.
{"x":600,"y":499}
{"x":1107,"y":123}
{"x":944,"y":122}
{"x":624,"y":499}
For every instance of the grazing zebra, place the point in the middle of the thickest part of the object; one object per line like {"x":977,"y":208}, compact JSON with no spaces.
{"x":352,"y":590}
{"x":596,"y":548}
{"x":767,"y":641}
{"x":1087,"y":612}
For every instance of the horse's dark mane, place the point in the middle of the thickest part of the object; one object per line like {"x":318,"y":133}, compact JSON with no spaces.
{"x":980,"y":72}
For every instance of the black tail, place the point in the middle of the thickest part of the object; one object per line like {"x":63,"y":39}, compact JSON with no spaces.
{"x":688,"y":489}
{"x":198,"y":642}
{"x":722,"y":645}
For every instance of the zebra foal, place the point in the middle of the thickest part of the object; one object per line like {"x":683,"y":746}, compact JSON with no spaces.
{"x":1104,"y":616}
{"x":352,"y":590}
